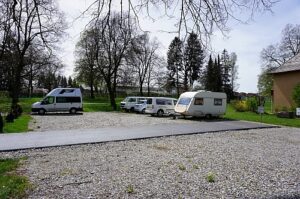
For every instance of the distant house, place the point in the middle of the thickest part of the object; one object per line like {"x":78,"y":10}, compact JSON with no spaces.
{"x":285,"y":77}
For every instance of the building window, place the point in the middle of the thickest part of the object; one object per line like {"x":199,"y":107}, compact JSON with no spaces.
{"x":218,"y":102}
{"x":198,"y":101}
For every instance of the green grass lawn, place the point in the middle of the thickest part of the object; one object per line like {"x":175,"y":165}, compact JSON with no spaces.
{"x":99,"y":104}
{"x":266,"y":118}
{"x":12,"y":185}
{"x":19,"y":125}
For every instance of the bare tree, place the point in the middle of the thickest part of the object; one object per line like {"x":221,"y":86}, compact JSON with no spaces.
{"x":277,"y":54}
{"x":86,"y":60}
{"x":201,"y":17}
{"x":141,"y":57}
{"x":29,"y":22}
{"x":113,"y":39}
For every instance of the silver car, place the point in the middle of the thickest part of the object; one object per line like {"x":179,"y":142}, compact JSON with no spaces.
{"x":141,"y":106}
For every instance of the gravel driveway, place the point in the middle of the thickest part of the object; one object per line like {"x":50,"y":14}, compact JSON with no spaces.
{"x":246,"y":164}
{"x":95,"y":120}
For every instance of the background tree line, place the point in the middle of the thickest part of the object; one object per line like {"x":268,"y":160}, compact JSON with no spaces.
{"x":29,"y":33}
{"x":185,"y":68}
{"x":112,"y":52}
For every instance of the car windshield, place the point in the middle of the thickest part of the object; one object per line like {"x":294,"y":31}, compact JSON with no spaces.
{"x":184,"y":101}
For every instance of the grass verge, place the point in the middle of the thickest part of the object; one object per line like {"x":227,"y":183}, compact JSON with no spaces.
{"x":11,"y":184}
{"x":19,"y":125}
{"x":266,"y":118}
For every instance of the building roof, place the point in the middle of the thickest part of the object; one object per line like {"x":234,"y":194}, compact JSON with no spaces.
{"x":292,"y":65}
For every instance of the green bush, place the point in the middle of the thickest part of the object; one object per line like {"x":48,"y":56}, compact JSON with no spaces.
{"x":240,"y":105}
{"x":296,"y":95}
{"x":252,"y":104}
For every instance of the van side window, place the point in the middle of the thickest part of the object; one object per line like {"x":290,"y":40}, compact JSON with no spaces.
{"x":67,"y":99}
{"x":218,"y":102}
{"x":149,"y":101}
{"x":198,"y":101}
{"x":175,"y":102}
{"x":160,"y":102}
{"x":61,"y":100}
{"x":168,"y":102}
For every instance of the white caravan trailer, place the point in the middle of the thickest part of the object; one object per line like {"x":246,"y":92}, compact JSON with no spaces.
{"x":60,"y":99}
{"x":201,"y":103}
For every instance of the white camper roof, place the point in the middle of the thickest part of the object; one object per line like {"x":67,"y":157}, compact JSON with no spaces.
{"x":65,"y":92}
{"x":203,"y":94}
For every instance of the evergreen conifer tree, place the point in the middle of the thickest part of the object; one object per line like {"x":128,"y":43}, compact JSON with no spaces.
{"x":209,"y":75}
{"x":193,"y":57}
{"x":175,"y":63}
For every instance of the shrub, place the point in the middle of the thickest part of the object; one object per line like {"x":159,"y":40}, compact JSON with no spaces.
{"x":296,"y":95}
{"x":252,"y":104}
{"x":240,"y":105}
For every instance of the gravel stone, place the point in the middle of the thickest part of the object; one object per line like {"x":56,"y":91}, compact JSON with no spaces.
{"x":63,"y":121}
{"x":261,"y":163}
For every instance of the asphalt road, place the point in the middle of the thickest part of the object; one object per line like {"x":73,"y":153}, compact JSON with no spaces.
{"x":18,"y":141}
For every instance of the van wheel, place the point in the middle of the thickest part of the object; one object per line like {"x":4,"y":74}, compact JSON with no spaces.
{"x":160,"y":113}
{"x":208,"y":116}
{"x":131,"y":109}
{"x":73,"y":110}
{"x":42,"y":111}
{"x":143,"y":111}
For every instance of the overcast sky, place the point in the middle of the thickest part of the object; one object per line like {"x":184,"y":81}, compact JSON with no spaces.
{"x":246,"y":40}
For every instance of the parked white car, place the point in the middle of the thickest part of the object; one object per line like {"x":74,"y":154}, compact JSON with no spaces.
{"x":141,"y":106}
{"x":160,"y":106}
{"x":129,"y":102}
{"x":60,"y":100}
{"x":202,"y":103}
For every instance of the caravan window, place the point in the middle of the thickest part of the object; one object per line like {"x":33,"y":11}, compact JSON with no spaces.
{"x":184,"y":101}
{"x":218,"y":102}
{"x":198,"y":101}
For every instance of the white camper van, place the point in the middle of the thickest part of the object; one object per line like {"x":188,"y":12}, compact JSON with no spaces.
{"x":160,"y":106}
{"x":201,"y":104}
{"x":129,"y":102}
{"x":60,"y":99}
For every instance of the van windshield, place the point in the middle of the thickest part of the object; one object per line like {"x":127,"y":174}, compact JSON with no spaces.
{"x":184,"y":101}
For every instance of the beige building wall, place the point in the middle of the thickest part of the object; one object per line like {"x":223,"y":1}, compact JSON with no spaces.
{"x":284,"y":84}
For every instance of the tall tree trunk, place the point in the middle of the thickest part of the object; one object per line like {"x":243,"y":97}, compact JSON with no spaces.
{"x":141,"y":90}
{"x":186,"y":82}
{"x":111,"y":96}
{"x":148,"y":88}
{"x":16,"y":87}
{"x":177,"y":82}
{"x":30,"y":86}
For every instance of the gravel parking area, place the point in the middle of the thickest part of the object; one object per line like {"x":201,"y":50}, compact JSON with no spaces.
{"x":93,"y":120}
{"x":245,"y":164}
